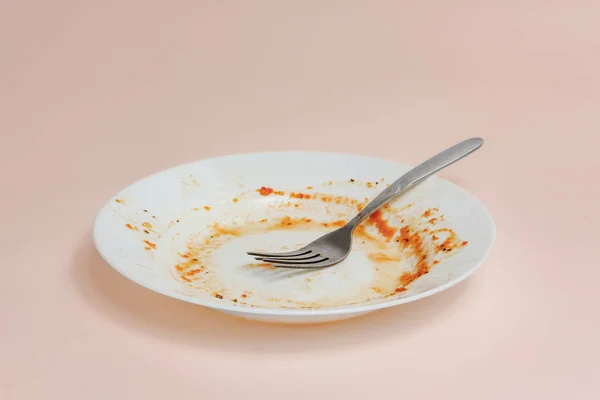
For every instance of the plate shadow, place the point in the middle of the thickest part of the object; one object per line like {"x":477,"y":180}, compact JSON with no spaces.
{"x":134,"y":307}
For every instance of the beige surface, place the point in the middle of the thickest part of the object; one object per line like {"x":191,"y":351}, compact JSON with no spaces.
{"x":94,"y":95}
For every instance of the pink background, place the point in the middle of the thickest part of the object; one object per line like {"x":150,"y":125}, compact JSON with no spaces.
{"x":94,"y":95}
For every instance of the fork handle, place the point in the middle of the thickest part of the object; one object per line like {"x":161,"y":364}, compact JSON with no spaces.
{"x":417,"y":175}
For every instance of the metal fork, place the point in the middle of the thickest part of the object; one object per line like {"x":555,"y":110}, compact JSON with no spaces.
{"x":335,"y":246}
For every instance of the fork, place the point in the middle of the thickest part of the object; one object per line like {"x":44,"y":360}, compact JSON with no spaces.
{"x":335,"y":246}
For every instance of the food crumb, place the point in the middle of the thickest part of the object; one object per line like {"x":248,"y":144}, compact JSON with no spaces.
{"x":207,"y":208}
{"x":218,"y":296}
{"x":235,"y":200}
{"x":265,"y":191}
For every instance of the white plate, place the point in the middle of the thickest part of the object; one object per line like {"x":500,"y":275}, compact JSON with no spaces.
{"x":184,"y":232}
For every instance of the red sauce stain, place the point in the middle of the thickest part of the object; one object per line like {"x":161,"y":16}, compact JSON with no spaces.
{"x":413,"y":243}
{"x":430,"y":212}
{"x":300,"y":196}
{"x":400,"y":290}
{"x":244,"y":295}
{"x":432,"y":221}
{"x":450,"y":242}
{"x":194,"y":272}
{"x":435,"y":262}
{"x":409,"y":277}
{"x":382,"y":257}
{"x":220,"y":230}
{"x":129,"y":226}
{"x":261,"y":265}
{"x":265,"y":191}
{"x":361,"y":233}
{"x":149,"y":245}
{"x":382,"y":226}
{"x":410,"y":240}
{"x":464,"y":243}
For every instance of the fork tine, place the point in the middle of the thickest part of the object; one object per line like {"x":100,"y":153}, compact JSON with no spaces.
{"x":308,"y":256}
{"x":293,"y":262}
{"x":302,"y":265}
{"x":287,"y":254}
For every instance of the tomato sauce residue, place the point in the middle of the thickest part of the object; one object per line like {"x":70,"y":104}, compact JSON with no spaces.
{"x":259,"y":266}
{"x":266,"y":191}
{"x":189,"y":266}
{"x":207,"y":208}
{"x":133,"y":228}
{"x":382,"y":258}
{"x":149,"y":245}
{"x":417,"y":237}
{"x":220,"y":230}
{"x":382,"y":225}
{"x":300,"y":196}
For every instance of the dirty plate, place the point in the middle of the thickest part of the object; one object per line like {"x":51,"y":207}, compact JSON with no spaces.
{"x":184,"y":233}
